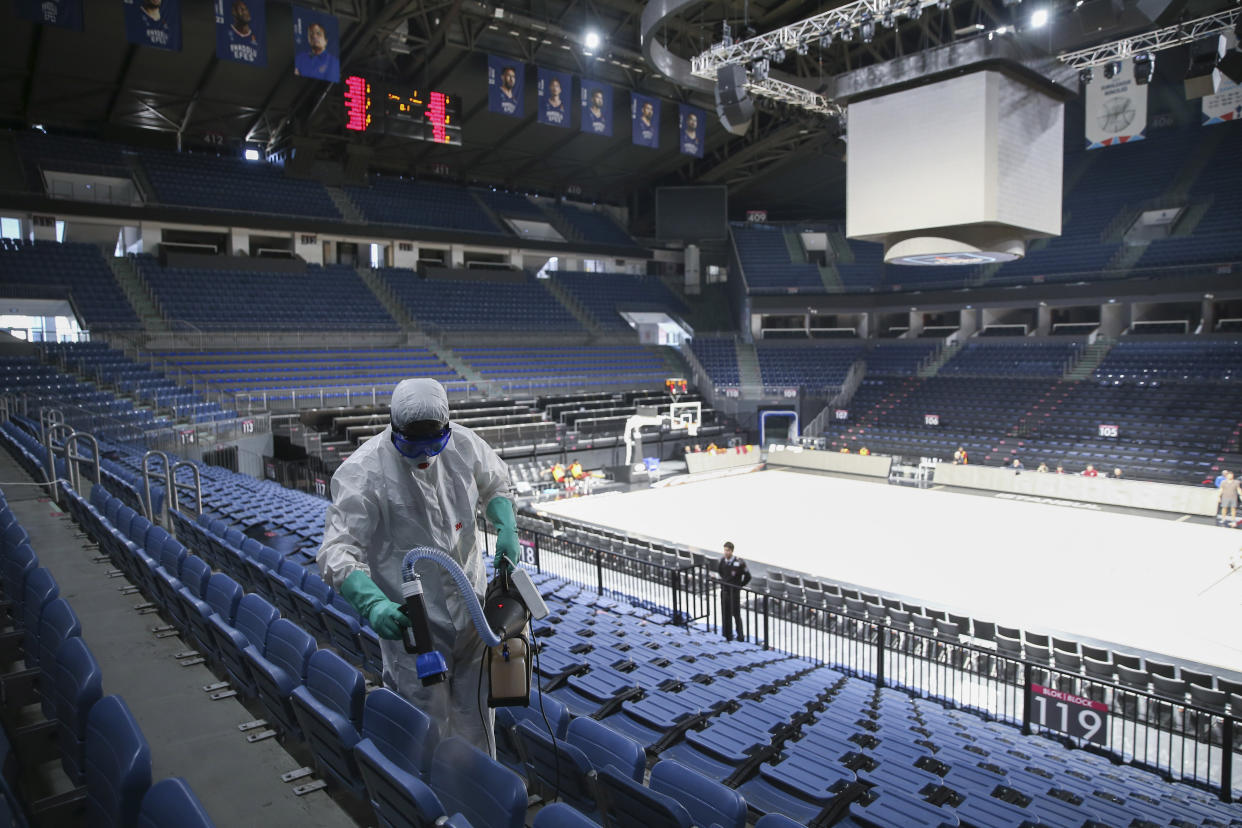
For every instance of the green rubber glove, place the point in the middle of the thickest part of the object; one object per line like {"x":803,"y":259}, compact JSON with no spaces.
{"x":385,"y":616}
{"x":500,"y":513}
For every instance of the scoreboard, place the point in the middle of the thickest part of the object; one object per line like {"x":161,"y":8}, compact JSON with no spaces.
{"x":379,"y":107}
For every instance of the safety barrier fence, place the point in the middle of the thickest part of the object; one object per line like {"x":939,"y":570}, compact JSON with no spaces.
{"x":1181,"y":740}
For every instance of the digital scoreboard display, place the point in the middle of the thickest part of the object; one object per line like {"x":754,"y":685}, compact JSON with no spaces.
{"x":380,"y":107}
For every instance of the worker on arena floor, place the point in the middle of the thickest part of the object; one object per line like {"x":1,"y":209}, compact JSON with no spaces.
{"x":419,"y":483}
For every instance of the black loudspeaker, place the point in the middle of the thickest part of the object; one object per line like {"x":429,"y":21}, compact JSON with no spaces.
{"x":1201,"y":75}
{"x":1231,"y":65}
{"x":733,"y":104}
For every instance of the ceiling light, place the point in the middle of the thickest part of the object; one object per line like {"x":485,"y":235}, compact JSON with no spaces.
{"x":591,"y":40}
{"x":1039,"y":18}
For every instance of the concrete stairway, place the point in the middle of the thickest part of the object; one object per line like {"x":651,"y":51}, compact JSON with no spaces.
{"x":138,"y":294}
{"x":573,"y":306}
{"x":452,"y":360}
{"x":386,"y":297}
{"x":1091,"y":358}
{"x":831,"y":278}
{"x":349,"y":211}
{"x":748,"y":368}
{"x":942,"y":356}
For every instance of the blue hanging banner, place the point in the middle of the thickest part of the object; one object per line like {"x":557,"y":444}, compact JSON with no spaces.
{"x":556,"y":90}
{"x":691,"y":127}
{"x":506,"y":83}
{"x":154,"y":23}
{"x":67,"y":14}
{"x":241,"y":31}
{"x":596,"y":108}
{"x":645,"y":120}
{"x":316,"y":45}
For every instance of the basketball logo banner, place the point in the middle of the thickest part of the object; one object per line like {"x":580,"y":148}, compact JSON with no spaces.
{"x":506,"y":82}
{"x":556,"y":90}
{"x":645,"y":120}
{"x":316,"y":45}
{"x":1116,"y":108}
{"x":64,"y":13}
{"x":1225,"y":105}
{"x":157,"y":25}
{"x":691,"y":124}
{"x":241,"y":31}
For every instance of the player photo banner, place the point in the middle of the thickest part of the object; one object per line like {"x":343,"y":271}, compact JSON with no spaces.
{"x":645,"y":120}
{"x":596,"y":108}
{"x":1116,"y":108}
{"x":1225,"y":105}
{"x":506,"y":82}
{"x":316,"y":45}
{"x":691,"y":125}
{"x":66,"y":14}
{"x":556,"y":90}
{"x":154,"y":23}
{"x":241,"y":31}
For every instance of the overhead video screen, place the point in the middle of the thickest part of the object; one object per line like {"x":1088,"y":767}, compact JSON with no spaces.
{"x":692,"y":214}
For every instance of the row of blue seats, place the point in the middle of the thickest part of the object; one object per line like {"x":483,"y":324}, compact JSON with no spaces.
{"x":102,"y":750}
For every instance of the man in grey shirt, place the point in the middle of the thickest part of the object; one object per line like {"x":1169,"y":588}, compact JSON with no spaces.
{"x":1229,"y":498}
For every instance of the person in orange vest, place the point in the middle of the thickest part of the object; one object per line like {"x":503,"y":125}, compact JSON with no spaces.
{"x":864,"y":451}
{"x":558,"y":473}
{"x":845,"y":449}
{"x":575,"y":470}
{"x":960,"y":458}
{"x":712,"y":448}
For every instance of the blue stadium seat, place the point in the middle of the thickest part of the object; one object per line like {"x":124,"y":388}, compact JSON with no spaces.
{"x":220,"y":600}
{"x":279,"y":669}
{"x":14,"y":567}
{"x":39,"y":590}
{"x":891,"y":808}
{"x":170,"y":803}
{"x":310,"y":597}
{"x":247,"y":632}
{"x":557,"y":769}
{"x":329,"y":709}
{"x":343,"y":626}
{"x":394,"y":757}
{"x":57,"y":624}
{"x":470,"y":782}
{"x":628,"y":804}
{"x":776,"y":821}
{"x":118,"y":764}
{"x":560,"y":815}
{"x":508,"y":718}
{"x":708,"y":802}
{"x":77,"y":685}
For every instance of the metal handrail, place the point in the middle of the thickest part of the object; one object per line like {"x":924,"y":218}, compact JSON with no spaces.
{"x":198,"y":486}
{"x":146,"y":483}
{"x":72,"y":460}
{"x":49,"y":435}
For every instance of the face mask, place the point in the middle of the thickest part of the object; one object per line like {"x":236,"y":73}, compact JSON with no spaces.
{"x":421,"y":449}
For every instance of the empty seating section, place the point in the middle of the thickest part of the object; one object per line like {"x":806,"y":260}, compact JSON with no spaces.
{"x":100,"y":748}
{"x":594,"y":227}
{"x":604,"y":294}
{"x":511,"y":205}
{"x":1216,"y":360}
{"x":420,"y":204}
{"x":321,"y":298}
{"x":806,"y":366}
{"x":552,"y":368}
{"x":1215,"y":238}
{"x":766,"y":262}
{"x":718,"y":356}
{"x":274,"y":371}
{"x":80,"y":269}
{"x":217,"y":183}
{"x":475,"y":304}
{"x":898,"y":359}
{"x":1019,"y":359}
{"x":64,"y":153}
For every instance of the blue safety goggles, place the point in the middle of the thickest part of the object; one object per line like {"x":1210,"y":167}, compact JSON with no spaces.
{"x":416,"y":447}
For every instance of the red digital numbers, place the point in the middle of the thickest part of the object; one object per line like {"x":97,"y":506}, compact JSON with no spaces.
{"x":357,"y":103}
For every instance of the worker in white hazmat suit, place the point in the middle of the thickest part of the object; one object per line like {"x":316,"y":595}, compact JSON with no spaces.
{"x":418,"y":483}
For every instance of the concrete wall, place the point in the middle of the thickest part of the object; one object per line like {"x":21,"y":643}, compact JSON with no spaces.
{"x":799,"y":458}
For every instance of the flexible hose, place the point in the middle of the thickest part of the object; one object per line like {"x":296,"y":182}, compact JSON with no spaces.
{"x":424,"y":553}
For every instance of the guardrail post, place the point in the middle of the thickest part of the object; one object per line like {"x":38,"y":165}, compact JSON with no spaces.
{"x":675,"y":577}
{"x":881,"y":634}
{"x":1226,"y":759}
{"x":765,"y":622}
{"x":1028,"y":695}
{"x":599,"y":572}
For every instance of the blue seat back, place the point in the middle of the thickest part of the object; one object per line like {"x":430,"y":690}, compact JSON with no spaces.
{"x":604,"y":746}
{"x":137,"y":531}
{"x":234,"y":537}
{"x":17,"y":565}
{"x":154,"y":542}
{"x":289,"y":648}
{"x":630,"y":805}
{"x":39,"y":589}
{"x":57,"y":623}
{"x":470,"y":782}
{"x":171,"y":802}
{"x":291,"y":572}
{"x":172,"y":553}
{"x":707,"y":801}
{"x":77,"y":684}
{"x":223,"y":595}
{"x":194,"y":575}
{"x":254,"y":616}
{"x":337,"y":685}
{"x":402,"y":732}
{"x":118,"y":764}
{"x":251,"y":548}
{"x":555,"y":765}
{"x":776,"y":821}
{"x":124,"y":516}
{"x":268,"y":558}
